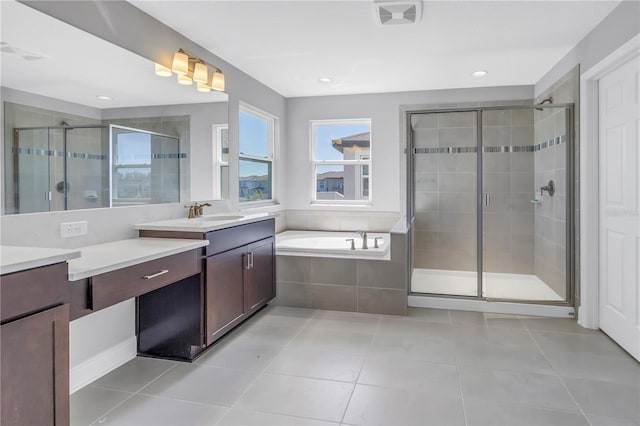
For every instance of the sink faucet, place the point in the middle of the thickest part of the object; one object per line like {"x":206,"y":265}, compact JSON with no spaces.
{"x":196,"y":209}
{"x":363,"y":235}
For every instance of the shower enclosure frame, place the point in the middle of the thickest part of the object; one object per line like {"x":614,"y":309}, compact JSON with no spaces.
{"x":570,"y":198}
{"x":50,"y":153}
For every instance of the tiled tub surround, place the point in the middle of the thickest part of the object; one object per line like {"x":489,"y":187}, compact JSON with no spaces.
{"x":356,"y":285}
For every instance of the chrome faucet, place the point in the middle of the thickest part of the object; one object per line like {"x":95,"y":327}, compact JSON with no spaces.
{"x":363,"y":235}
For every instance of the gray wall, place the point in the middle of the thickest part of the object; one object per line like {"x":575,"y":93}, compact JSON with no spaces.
{"x":612,"y":32}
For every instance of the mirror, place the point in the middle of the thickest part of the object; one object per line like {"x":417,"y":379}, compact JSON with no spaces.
{"x":88,"y":124}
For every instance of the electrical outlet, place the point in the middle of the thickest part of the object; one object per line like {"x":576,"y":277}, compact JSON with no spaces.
{"x":73,"y":229}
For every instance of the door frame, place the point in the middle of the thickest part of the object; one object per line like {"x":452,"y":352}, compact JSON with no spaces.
{"x":589,"y":168}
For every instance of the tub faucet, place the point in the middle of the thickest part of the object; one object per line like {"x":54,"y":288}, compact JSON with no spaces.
{"x":363,"y":235}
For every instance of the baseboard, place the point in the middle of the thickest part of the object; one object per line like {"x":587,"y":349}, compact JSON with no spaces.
{"x":493,"y":307}
{"x":99,"y":365}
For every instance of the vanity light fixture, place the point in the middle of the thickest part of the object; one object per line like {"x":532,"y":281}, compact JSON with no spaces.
{"x":190,"y":68}
{"x":163,"y":71}
{"x":479,"y":73}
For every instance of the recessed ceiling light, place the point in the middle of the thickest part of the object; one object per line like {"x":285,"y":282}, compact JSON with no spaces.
{"x":104,"y":98}
{"x":325,"y":79}
{"x":480,"y":73}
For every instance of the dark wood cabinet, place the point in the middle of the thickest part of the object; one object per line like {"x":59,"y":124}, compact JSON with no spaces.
{"x":34,"y":347}
{"x":259,"y":279}
{"x":239,"y":273}
{"x":224,"y":292}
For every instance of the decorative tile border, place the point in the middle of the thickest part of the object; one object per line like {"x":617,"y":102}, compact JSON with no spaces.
{"x":83,"y":155}
{"x":492,"y":149}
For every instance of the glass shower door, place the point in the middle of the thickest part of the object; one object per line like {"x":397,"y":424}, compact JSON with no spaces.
{"x":524,"y":233}
{"x":444,"y":231}
{"x":32,"y":192}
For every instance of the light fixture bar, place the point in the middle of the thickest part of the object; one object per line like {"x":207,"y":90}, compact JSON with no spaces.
{"x":191,"y":68}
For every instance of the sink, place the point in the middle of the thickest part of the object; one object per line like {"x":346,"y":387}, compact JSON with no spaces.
{"x":221,"y":218}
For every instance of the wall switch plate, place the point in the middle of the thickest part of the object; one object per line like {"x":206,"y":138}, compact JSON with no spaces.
{"x":73,"y":229}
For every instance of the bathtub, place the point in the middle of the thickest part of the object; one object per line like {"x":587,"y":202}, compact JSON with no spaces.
{"x":332,"y":244}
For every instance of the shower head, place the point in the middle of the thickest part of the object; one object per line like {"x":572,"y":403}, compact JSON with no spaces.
{"x":549,"y":99}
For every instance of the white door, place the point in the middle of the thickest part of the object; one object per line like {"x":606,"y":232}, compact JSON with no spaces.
{"x":619,"y":211}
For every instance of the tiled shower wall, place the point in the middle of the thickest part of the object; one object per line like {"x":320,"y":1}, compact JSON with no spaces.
{"x":551,"y":163}
{"x":444,"y":231}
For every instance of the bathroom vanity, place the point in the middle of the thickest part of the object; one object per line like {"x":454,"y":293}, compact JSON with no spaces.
{"x":238,"y":271}
{"x":34,"y":336}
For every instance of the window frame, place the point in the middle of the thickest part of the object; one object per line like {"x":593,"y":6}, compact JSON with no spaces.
{"x":271,"y":134}
{"x":219,"y":164}
{"x":314,"y":163}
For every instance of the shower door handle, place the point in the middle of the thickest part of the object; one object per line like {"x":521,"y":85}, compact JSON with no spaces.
{"x":487,"y":199}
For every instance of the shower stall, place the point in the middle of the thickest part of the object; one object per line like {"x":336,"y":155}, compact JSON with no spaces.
{"x":491,"y":196}
{"x":90,"y":166}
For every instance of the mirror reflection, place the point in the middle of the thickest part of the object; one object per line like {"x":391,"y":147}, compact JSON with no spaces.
{"x":100,"y":129}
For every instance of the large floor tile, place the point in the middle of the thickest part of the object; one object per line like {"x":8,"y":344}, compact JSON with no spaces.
{"x":344,"y":321}
{"x":134,"y":375}
{"x":342,"y":366}
{"x":89,"y":404}
{"x":403,"y":373}
{"x":331,"y":340}
{"x":297,"y":396}
{"x":564,"y":325}
{"x":508,"y":337}
{"x":486,"y":319}
{"x":414,"y":327}
{"x":622,"y":370}
{"x":264,"y":334}
{"x":408,"y":345}
{"x":611,"y":421}
{"x":429,"y":315}
{"x":595,"y":344}
{"x":242,"y":417}
{"x":504,"y":356}
{"x":491,"y":413}
{"x":282,"y":316}
{"x":538,"y":390}
{"x":606,"y":399}
{"x":239,"y":354}
{"x":196,"y":383}
{"x":141,"y":410}
{"x":372,"y":405}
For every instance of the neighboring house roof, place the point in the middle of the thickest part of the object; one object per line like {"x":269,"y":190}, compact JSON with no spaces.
{"x":254,"y":178}
{"x":357,"y":141}
{"x":330,"y":175}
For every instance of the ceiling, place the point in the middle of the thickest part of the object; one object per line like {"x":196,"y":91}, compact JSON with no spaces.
{"x":66,"y":63}
{"x":289,"y":45}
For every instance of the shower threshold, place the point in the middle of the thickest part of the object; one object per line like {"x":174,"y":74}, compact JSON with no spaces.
{"x":495,"y":285}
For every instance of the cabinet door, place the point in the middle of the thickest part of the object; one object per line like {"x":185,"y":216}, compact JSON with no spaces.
{"x":225,"y":295}
{"x":34,"y":354}
{"x":259,"y":280}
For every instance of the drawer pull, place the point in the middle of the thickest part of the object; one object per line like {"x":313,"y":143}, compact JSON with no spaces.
{"x":157,"y":274}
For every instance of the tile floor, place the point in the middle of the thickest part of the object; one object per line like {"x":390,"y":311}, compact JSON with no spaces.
{"x":289,"y":366}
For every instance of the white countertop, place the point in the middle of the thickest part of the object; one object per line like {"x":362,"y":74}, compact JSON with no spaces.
{"x":15,"y":258}
{"x":203,"y":223}
{"x":107,"y":257}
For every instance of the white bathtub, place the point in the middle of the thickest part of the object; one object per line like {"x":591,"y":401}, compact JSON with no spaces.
{"x":332,"y":244}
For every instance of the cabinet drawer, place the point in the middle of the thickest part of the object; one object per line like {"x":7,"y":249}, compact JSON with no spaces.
{"x":116,"y":286}
{"x":237,"y":236}
{"x":33,"y":290}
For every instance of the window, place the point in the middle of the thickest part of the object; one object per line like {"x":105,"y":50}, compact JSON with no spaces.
{"x":256,"y":139}
{"x":221,"y":159}
{"x":341,"y":157}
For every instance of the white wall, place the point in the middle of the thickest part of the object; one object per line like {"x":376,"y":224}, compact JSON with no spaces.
{"x":387,"y":132}
{"x":612,"y":32}
{"x":126,"y":26}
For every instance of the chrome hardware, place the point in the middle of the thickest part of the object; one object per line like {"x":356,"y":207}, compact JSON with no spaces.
{"x":353,"y":243}
{"x":157,"y":274}
{"x":363,"y":235}
{"x":375,"y":242}
{"x":250,"y":260}
{"x":487,"y":199}
{"x":550,"y":188}
{"x":247,"y":264}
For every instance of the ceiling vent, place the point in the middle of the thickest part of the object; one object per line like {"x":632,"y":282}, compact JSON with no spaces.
{"x":22,"y":53}
{"x":397,"y":12}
